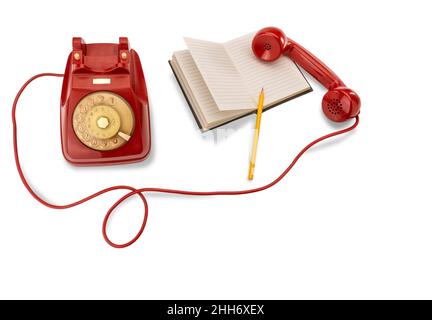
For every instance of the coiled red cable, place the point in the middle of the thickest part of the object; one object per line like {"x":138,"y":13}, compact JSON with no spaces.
{"x":142,"y":191}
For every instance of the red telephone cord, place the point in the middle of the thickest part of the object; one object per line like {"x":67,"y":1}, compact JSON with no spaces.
{"x":140,"y":192}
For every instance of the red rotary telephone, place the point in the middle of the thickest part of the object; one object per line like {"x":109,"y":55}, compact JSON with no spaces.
{"x":104,"y":105}
{"x":104,"y":84}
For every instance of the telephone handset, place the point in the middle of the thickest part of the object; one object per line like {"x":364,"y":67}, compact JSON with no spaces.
{"x":104,"y":105}
{"x":340,"y":103}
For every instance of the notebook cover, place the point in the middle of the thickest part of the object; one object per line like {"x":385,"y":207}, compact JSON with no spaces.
{"x":244,"y":115}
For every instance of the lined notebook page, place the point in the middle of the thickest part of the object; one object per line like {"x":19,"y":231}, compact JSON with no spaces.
{"x":201,"y":99}
{"x":281,"y":79}
{"x":221,"y":75}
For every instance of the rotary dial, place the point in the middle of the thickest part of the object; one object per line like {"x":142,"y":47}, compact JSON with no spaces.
{"x":103,"y":121}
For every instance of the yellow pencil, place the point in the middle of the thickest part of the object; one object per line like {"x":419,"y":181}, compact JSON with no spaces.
{"x":256,"y":135}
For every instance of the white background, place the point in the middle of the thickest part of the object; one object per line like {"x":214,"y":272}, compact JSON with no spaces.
{"x":352,"y":220}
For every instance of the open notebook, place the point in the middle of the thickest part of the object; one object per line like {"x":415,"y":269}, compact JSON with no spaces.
{"x":221,"y":82}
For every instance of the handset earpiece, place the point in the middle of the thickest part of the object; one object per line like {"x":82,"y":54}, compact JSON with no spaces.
{"x":339,"y":103}
{"x":269,"y":44}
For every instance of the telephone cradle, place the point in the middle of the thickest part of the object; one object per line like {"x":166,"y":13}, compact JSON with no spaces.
{"x":104,"y":105}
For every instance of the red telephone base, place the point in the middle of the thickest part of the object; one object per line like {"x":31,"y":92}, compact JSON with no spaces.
{"x":89,"y":138}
